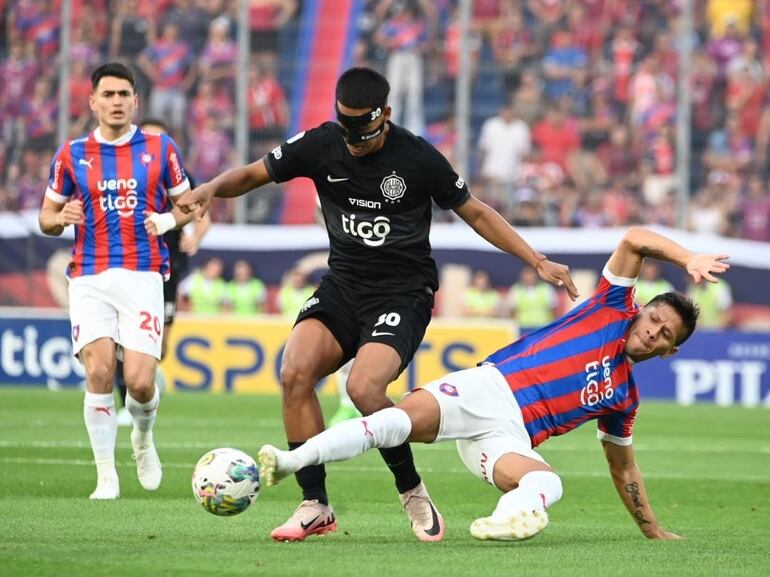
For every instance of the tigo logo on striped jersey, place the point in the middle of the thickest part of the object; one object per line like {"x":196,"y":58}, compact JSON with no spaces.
{"x":598,"y":383}
{"x":124,"y":203}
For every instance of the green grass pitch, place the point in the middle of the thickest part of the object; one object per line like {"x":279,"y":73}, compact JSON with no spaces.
{"x":707,"y":472}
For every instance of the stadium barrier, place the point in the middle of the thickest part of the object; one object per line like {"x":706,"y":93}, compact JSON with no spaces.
{"x":230,"y":355}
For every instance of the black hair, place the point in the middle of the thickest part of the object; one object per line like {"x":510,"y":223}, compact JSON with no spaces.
{"x":687,"y":310}
{"x":114,"y":69}
{"x":362,"y":88}
{"x":155,"y":122}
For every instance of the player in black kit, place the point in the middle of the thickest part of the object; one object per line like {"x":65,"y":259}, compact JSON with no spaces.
{"x":181,"y":246}
{"x":376,"y":183}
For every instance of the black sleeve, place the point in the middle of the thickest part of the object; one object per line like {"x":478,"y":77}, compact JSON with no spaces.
{"x":298,"y":156}
{"x":448,"y":189}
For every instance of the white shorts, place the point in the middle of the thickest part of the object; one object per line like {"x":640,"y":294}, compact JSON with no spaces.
{"x":479,"y":411}
{"x":123,"y":305}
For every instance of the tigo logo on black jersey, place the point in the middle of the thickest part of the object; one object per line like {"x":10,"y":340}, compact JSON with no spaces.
{"x":372,"y":233}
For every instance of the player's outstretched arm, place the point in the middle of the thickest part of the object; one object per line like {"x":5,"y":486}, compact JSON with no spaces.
{"x":54,"y":217}
{"x":630,"y":486}
{"x":230,"y":184}
{"x":640,"y":243}
{"x":488,"y":223}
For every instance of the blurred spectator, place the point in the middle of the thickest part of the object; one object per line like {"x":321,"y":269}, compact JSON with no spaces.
{"x":623,"y":52}
{"x":556,"y":136}
{"x":18,"y":72}
{"x":193,"y":20}
{"x":714,"y":301}
{"x":209,"y":104}
{"x":480,"y":299}
{"x":217,"y":61}
{"x":168,"y":63}
{"x":650,"y":283}
{"x":755,"y":211}
{"x":266,"y":18}
{"x":404,"y":35}
{"x":531,"y":301}
{"x":210,"y":151}
{"x":130,"y":32}
{"x":659,"y":167}
{"x":513,"y":45}
{"x":205,"y":289}
{"x":528,"y":99}
{"x":295,"y":290}
{"x":504,"y":143}
{"x":619,"y":159}
{"x":245,"y":294}
{"x":80,"y":90}
{"x":268,"y":107}
{"x":40,"y":111}
{"x":707,"y":213}
{"x":728,"y":149}
{"x":565,"y":66}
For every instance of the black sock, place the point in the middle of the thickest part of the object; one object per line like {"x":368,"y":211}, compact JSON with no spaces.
{"x":312,"y":479}
{"x":120,"y":382}
{"x":401,"y":463}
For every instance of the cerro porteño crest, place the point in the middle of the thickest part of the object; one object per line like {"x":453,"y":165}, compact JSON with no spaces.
{"x":393,"y":187}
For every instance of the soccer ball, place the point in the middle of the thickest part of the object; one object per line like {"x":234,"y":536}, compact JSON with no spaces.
{"x":225,"y":481}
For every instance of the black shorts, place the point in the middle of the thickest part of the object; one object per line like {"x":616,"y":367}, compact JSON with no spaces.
{"x":398,"y":320}
{"x":170,"y":288}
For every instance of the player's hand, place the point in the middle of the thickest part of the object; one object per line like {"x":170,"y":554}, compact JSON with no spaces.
{"x":197,"y":200}
{"x":189,"y":244}
{"x":71,"y":213}
{"x":558,"y":275}
{"x":662,"y":534}
{"x":157,"y":224}
{"x":701,"y":266}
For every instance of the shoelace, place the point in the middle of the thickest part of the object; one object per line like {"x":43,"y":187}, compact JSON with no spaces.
{"x":418,"y":507}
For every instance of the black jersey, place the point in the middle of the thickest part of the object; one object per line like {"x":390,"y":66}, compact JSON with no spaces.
{"x":377,"y":207}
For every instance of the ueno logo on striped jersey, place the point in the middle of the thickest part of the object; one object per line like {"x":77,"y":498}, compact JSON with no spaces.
{"x":598,"y":383}
{"x":125,"y":201}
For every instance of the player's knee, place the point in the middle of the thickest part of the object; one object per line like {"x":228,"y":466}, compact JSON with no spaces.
{"x":140,"y":381}
{"x":100,"y":371}
{"x":367,"y":397}
{"x":296,"y":380}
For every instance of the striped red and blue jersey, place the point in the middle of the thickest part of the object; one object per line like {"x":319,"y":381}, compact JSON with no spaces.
{"x":575,"y":369}
{"x":118,"y":183}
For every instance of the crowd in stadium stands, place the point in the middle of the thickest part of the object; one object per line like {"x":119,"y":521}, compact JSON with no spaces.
{"x":573,"y":101}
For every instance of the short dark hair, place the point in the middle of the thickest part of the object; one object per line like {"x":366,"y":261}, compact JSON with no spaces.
{"x":687,"y":310}
{"x":155,"y":122}
{"x":362,"y":88}
{"x":115,"y":69}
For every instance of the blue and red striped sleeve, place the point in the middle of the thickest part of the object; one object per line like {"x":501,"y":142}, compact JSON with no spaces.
{"x":61,"y":184}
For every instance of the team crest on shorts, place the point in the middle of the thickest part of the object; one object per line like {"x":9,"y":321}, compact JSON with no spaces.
{"x":393,"y":187}
{"x":448,"y":389}
{"x":75,"y":332}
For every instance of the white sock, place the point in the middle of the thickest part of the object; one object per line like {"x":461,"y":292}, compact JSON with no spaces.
{"x":537,"y":491}
{"x":342,"y":385}
{"x":143,"y":415}
{"x":386,"y":428}
{"x":102,"y":426}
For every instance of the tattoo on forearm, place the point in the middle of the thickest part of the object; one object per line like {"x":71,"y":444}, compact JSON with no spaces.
{"x":633,"y":490}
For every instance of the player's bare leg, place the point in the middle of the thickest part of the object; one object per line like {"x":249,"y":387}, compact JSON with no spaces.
{"x":530,"y":487}
{"x":311,"y":353}
{"x":98,"y":358}
{"x":142,"y":402}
